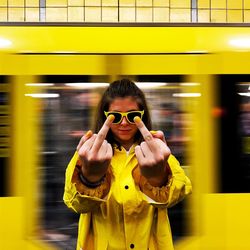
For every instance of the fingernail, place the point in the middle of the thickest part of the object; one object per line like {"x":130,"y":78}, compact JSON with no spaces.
{"x":88,"y":133}
{"x":111,"y":117}
{"x":153,"y":132}
{"x":137,"y":119}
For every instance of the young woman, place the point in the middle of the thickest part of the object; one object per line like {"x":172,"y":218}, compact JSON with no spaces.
{"x":123,"y":177}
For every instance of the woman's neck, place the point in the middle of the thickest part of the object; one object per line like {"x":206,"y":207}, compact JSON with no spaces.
{"x":127,"y":146}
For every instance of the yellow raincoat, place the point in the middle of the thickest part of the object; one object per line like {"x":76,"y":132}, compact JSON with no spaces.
{"x":125,"y":212}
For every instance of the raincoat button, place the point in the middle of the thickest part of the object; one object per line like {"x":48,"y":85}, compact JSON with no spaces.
{"x":126,"y":187}
{"x":132,"y":246}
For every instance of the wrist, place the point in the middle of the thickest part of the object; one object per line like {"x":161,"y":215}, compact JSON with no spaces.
{"x":159,"y":180}
{"x":89,"y":183}
{"x":91,"y":177}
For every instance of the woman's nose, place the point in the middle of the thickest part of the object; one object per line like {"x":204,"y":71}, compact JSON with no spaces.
{"x":124,"y":121}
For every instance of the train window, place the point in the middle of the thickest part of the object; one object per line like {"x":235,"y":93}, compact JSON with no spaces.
{"x":235,"y":133}
{"x":69,"y":113}
{"x":3,"y":183}
{"x":4,"y":133}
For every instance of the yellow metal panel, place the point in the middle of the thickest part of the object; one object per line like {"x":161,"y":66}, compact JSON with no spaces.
{"x":32,"y":3}
{"x":127,"y":2}
{"x":161,"y":14}
{"x":56,"y":14}
{"x":32,"y":14}
{"x":163,"y":3}
{"x":3,"y":3}
{"x":75,"y":14}
{"x":141,"y":3}
{"x":49,"y":65}
{"x":16,"y":3}
{"x":218,"y":4}
{"x":153,"y":64}
{"x":235,"y":16}
{"x":87,"y":39}
{"x":203,"y":129}
{"x":180,"y":15}
{"x":92,"y":2}
{"x":235,"y":63}
{"x":127,"y":14}
{"x":19,"y":216}
{"x":218,"y":16}
{"x":25,"y":180}
{"x":230,"y":232}
{"x":56,"y":3}
{"x":93,"y":14}
{"x":144,"y":14}
{"x":204,"y":4}
{"x":232,"y":4}
{"x":180,"y":4}
{"x":203,"y":16}
{"x":246,"y":4}
{"x":246,"y":16}
{"x":110,"y":14}
{"x":75,"y":2}
{"x":3,"y":14}
{"x":11,"y":217}
{"x":16,"y":14}
{"x":95,"y":65}
{"x":109,"y":2}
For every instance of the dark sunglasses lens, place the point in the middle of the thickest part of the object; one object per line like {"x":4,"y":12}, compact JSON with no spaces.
{"x":132,"y":115}
{"x":117,"y":117}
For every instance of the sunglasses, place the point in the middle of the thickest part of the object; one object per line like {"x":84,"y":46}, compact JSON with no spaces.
{"x":129,"y":116}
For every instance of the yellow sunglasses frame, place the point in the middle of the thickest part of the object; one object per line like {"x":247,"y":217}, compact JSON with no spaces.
{"x":123,"y":114}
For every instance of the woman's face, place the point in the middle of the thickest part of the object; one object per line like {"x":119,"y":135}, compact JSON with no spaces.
{"x":124,"y":132}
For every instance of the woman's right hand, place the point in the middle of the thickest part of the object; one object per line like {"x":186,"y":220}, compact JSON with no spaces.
{"x":95,"y":152}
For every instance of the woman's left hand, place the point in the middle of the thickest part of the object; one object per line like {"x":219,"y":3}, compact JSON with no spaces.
{"x":152,"y":155}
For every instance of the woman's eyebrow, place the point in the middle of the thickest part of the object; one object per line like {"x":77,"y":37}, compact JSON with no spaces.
{"x":124,"y":111}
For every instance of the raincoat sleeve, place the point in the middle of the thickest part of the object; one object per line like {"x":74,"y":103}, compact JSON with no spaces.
{"x":178,"y":186}
{"x":79,"y":197}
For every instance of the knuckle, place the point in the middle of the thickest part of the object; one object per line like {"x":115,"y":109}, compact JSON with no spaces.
{"x":82,"y":153}
{"x":101,"y":135}
{"x":167,"y":152}
{"x":160,"y":158}
{"x":92,"y":158}
{"x":148,"y":137}
{"x":108,"y":158}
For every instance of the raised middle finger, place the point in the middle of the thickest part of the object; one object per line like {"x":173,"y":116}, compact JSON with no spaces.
{"x":102,"y":134}
{"x":148,"y":137}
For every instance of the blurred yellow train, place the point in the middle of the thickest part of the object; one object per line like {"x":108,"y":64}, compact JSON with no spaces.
{"x":197,"y":81}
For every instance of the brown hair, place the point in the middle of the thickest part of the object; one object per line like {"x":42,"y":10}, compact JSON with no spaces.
{"x":121,"y":88}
